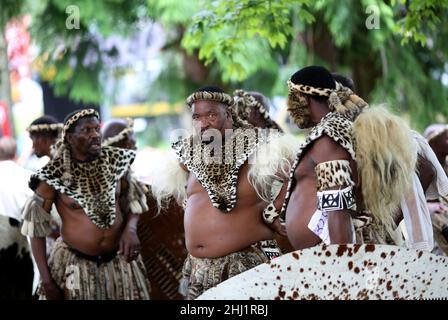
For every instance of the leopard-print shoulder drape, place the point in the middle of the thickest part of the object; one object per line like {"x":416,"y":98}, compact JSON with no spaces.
{"x":94,"y":182}
{"x":219,"y":176}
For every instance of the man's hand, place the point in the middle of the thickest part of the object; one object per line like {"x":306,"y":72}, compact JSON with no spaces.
{"x":436,"y":207}
{"x":52,"y":291}
{"x":278,"y":227}
{"x":129,"y":244}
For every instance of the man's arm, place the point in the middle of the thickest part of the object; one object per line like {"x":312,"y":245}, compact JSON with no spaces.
{"x":334,"y":174}
{"x":129,"y":243}
{"x":272,"y":217}
{"x":41,"y":202}
{"x":129,"y":246}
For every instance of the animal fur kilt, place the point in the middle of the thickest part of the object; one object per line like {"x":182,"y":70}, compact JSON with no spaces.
{"x":201,"y":274}
{"x":82,"y":279}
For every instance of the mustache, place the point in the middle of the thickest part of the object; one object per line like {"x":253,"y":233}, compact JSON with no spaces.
{"x":96,"y":141}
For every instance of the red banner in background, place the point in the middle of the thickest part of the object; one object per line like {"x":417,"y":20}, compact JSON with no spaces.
{"x":5,"y":128}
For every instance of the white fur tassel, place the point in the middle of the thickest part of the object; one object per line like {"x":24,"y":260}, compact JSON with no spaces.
{"x":272,"y":161}
{"x":169,"y":179}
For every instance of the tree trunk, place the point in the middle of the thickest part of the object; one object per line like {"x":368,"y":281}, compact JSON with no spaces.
{"x":320,"y":43}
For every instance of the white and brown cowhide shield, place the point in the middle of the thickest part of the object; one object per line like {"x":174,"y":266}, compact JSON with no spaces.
{"x":342,"y":272}
{"x":16,"y":266}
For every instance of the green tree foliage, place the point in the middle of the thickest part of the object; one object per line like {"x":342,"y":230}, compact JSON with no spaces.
{"x":390,"y":48}
{"x":8,"y":10}
{"x":70,"y":52}
{"x":258,"y":44}
{"x":419,"y":16}
{"x":238,"y":34}
{"x":181,"y":72}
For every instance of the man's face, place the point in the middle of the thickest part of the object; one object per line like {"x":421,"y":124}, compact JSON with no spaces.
{"x":85,"y":140}
{"x":298,"y":108}
{"x":41,"y":144}
{"x":209,"y":114}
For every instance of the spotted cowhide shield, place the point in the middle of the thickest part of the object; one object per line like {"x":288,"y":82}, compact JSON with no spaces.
{"x":342,"y":272}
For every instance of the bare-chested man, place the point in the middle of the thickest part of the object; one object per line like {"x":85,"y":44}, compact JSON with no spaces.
{"x":162,"y":235}
{"x":97,"y":255}
{"x":224,"y":227}
{"x":339,"y":187}
{"x":253,"y":107}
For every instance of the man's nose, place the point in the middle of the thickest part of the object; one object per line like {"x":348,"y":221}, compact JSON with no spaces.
{"x":95,"y":134}
{"x":204,"y":123}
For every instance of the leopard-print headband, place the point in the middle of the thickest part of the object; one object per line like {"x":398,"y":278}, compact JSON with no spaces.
{"x":207,"y":95}
{"x":36,"y":128}
{"x":322,"y":92}
{"x":220,"y":97}
{"x":78,"y":115}
{"x":126,"y":132}
{"x":341,"y":99}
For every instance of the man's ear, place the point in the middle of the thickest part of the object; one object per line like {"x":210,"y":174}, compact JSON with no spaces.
{"x":69,"y":137}
{"x":308,"y":100}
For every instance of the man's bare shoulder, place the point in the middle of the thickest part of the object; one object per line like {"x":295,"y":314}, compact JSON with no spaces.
{"x":326,"y":149}
{"x":45,"y":190}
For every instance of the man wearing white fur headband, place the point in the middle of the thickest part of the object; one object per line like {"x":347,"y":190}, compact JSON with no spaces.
{"x":97,"y":255}
{"x":223,"y":174}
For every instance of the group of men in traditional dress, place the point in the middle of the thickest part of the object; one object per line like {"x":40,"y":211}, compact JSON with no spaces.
{"x":243,"y":184}
{"x":359,"y":173}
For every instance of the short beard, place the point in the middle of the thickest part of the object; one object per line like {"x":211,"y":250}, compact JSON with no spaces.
{"x":299,"y":111}
{"x":92,"y":155}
